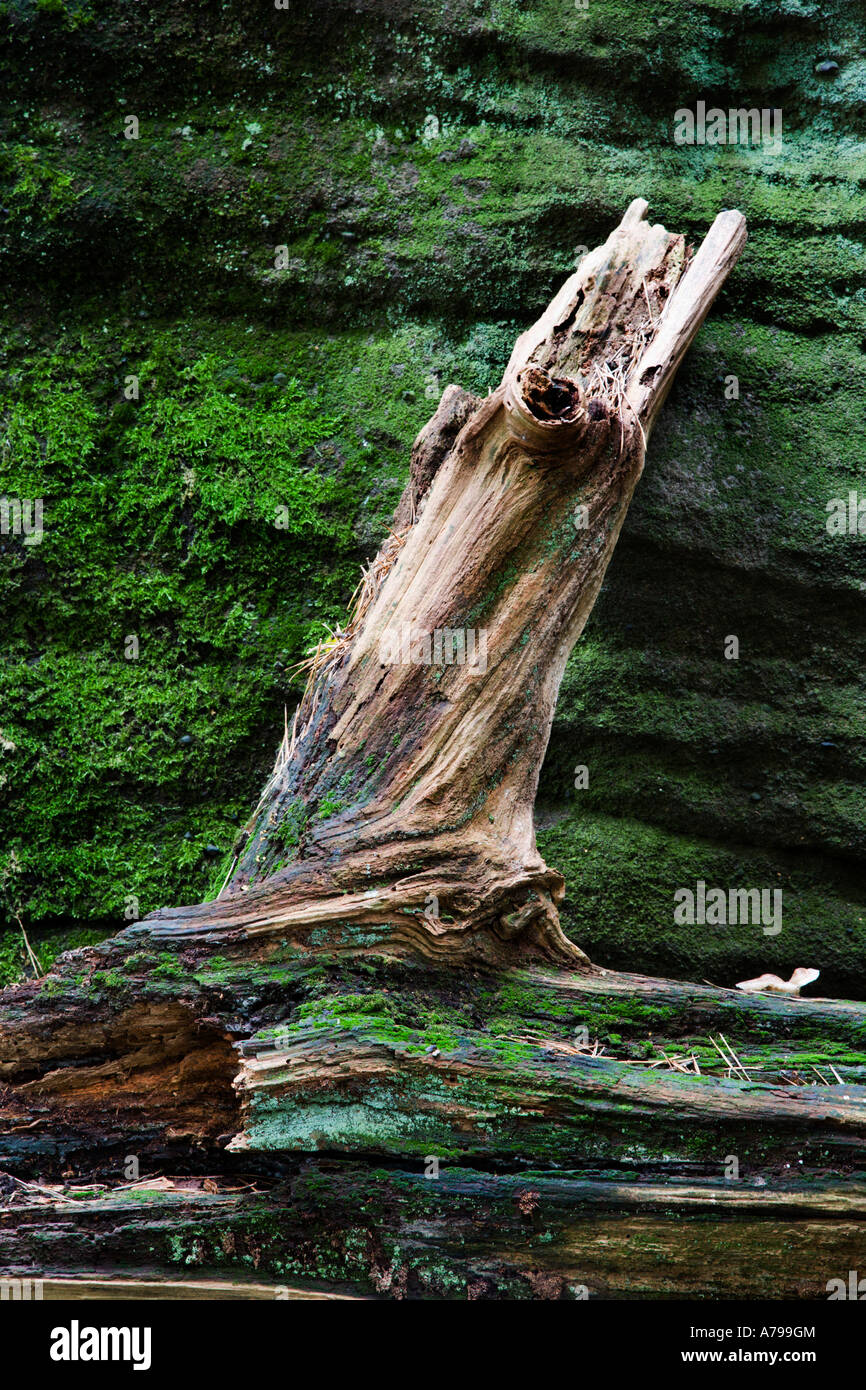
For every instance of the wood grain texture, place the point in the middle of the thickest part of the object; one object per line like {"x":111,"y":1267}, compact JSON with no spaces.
{"x":410,"y":775}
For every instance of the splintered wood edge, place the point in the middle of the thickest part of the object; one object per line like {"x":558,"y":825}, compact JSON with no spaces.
{"x":685,"y":312}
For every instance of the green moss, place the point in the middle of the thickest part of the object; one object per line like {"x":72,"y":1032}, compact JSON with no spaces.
{"x":330,"y":806}
{"x":47,"y":945}
{"x":430,"y":176}
{"x":107,"y":979}
{"x":619,"y":906}
{"x":168,"y":968}
{"x":124,"y":817}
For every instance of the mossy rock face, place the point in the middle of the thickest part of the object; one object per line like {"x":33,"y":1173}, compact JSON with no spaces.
{"x":430,"y":177}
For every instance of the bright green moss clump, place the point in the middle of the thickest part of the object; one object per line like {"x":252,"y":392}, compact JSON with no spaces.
{"x":195,"y":543}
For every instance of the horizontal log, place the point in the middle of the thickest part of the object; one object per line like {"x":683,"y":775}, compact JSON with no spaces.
{"x":378,"y":1088}
{"x":154,"y":1053}
{"x":349,"y":1229}
{"x":111,"y":1289}
{"x":711,"y":1004}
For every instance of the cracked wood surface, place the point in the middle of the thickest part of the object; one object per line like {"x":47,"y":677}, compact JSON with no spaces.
{"x":411,"y":782}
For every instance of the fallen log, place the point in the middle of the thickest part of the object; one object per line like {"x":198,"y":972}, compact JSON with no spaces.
{"x":349,"y":1231}
{"x":183,"y":1061}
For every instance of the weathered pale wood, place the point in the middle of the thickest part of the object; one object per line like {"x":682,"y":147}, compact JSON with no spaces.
{"x":400,"y":813}
{"x":684,"y":315}
{"x":116,"y":1288}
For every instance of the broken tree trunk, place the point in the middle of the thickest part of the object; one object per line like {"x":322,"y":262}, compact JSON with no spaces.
{"x":399,"y":814}
{"x":312,"y":1008}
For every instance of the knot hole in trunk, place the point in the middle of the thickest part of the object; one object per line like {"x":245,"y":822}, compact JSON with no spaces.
{"x":545,"y":413}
